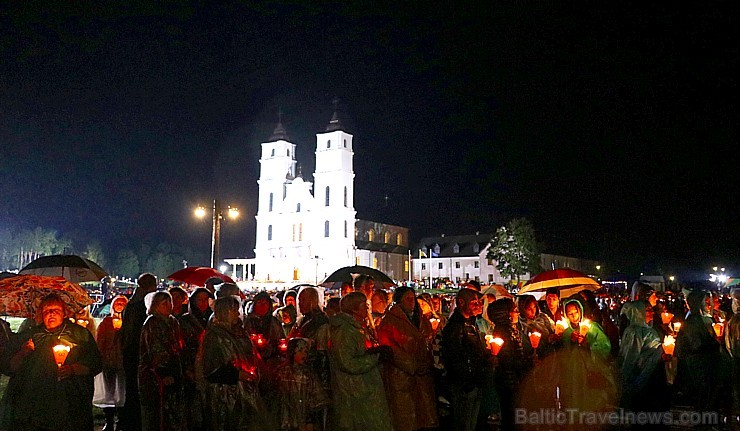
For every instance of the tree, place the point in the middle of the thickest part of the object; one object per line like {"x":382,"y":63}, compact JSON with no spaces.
{"x":515,"y":249}
{"x":127,"y":264}
{"x":94,"y":252}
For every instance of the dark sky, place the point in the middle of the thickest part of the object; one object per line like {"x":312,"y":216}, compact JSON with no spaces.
{"x":613,"y":128}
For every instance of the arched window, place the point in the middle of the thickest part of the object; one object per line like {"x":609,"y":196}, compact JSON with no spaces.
{"x":269,"y":233}
{"x":399,"y":239}
{"x":476,"y":248}
{"x":326,"y":229}
{"x":326,"y":199}
{"x":370,"y":235}
{"x":328,"y":144}
{"x":288,"y":153}
{"x":298,"y":207}
{"x":387,"y":238}
{"x":436,"y":248}
{"x":272,"y":153}
{"x":300,"y":231}
{"x":270,"y":205}
{"x":294,"y":233}
{"x":345,"y":196}
{"x":345,"y":143}
{"x":345,"y":228}
{"x":456,"y":249}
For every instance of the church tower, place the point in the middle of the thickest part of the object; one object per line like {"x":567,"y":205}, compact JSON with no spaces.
{"x":277,"y":170}
{"x":334,"y":196}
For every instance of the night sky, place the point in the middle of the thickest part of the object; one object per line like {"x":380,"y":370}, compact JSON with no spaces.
{"x":613,"y":128}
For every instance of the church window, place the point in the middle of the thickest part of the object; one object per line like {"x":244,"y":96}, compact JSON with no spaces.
{"x":436,"y":248}
{"x":441,"y":265}
{"x":375,"y":263}
{"x":270,"y":205}
{"x":294,"y":233}
{"x":387,"y":238}
{"x":456,"y":249}
{"x":272,"y":153}
{"x":326,"y":229}
{"x":288,"y":153}
{"x":285,"y":191}
{"x":345,"y":228}
{"x":296,"y":274}
{"x":457,"y":265}
{"x":476,"y":264}
{"x":345,"y":196}
{"x":423,"y":266}
{"x":269,"y":233}
{"x":328,"y":144}
{"x":326,"y":199}
{"x":476,"y":248}
{"x":399,"y":239}
{"x":298,"y":207}
{"x":370,"y":235}
{"x":345,"y":143}
{"x":405,"y":266}
{"x":300,"y":231}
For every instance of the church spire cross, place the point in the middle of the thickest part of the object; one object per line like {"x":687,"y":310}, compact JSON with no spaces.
{"x":279,"y":132}
{"x":334,"y":124}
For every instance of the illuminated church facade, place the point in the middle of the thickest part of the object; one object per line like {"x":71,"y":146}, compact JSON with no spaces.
{"x":307,"y":230}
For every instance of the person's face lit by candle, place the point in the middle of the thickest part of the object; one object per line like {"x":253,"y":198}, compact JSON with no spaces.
{"x":552,"y":301}
{"x":262,"y":307}
{"x":53,"y":316}
{"x":408,"y":301}
{"x":514,"y":314}
{"x":201,"y":301}
{"x":530,"y":311}
{"x":118,"y":305}
{"x":573,"y":314}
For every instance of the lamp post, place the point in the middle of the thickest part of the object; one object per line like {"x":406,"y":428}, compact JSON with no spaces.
{"x":232,"y":213}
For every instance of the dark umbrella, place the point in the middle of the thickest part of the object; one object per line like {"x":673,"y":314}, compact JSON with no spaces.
{"x":349,"y":273}
{"x":198,"y":275}
{"x":74,"y":268}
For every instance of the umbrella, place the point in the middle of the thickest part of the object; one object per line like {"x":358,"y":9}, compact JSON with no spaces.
{"x":348,"y":273}
{"x":569,"y":281}
{"x":198,"y":275}
{"x":498,"y":290}
{"x":21,"y":295}
{"x":74,"y":268}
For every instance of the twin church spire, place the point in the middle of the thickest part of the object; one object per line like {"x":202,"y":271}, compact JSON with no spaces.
{"x":280,"y":134}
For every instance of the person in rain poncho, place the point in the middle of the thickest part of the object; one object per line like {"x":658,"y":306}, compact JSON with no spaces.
{"x":110,"y":385}
{"x":229,"y":367}
{"x":357,"y":387}
{"x":732,"y":343}
{"x":587,"y":382}
{"x":313,"y":324}
{"x":640,"y":362}
{"x":408,"y":377}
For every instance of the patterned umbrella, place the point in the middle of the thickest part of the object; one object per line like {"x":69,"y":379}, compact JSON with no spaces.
{"x":561,"y":278}
{"x":198,"y":275}
{"x":21,"y":295}
{"x":74,"y":268}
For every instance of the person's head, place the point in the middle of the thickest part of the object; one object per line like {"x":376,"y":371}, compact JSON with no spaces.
{"x":298,"y":349}
{"x":468,"y":302}
{"x":200,"y":300}
{"x":364,"y":283}
{"x":158,"y":303}
{"x":118,"y":304}
{"x":147,"y":282}
{"x":405,"y":297}
{"x":333,"y":306}
{"x":437,"y":303}
{"x":573,"y":311}
{"x":288,"y":298}
{"x":528,"y":306}
{"x":355,"y":304}
{"x":425,"y":307}
{"x":379,"y":301}
{"x":696,"y":300}
{"x":645,"y":292}
{"x":262,"y":304}
{"x":308,"y":299}
{"x":211,"y":283}
{"x":345,"y":289}
{"x":503,"y":312}
{"x":53,"y":311}
{"x":735,"y":295}
{"x":552,"y":298}
{"x":227,"y":289}
{"x":226,"y":310}
{"x":179,"y":299}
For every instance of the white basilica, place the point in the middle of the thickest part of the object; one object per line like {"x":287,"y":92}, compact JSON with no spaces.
{"x":306,"y":230}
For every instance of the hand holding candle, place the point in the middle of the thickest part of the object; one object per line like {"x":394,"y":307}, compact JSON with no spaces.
{"x":561,"y":326}
{"x":494,"y":344}
{"x":60,"y":354}
{"x":666,"y":317}
{"x":669,"y":343}
{"x":534,"y":339}
{"x":283,"y":345}
{"x":718,"y":328}
{"x":435,"y":323}
{"x":584,"y":327}
{"x":117,"y":322}
{"x":676,"y":326}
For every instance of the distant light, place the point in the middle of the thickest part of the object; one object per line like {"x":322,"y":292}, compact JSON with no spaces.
{"x":200,"y":211}
{"x":714,"y":268}
{"x":598,"y":267}
{"x":233,"y":212}
{"x":672,"y":278}
{"x":722,"y":278}
{"x":224,"y":268}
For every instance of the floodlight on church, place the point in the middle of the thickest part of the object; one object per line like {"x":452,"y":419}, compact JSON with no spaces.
{"x":233,"y":212}
{"x":200,"y":211}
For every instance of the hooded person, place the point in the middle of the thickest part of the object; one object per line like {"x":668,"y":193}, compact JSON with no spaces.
{"x":732,"y":343}
{"x":110,"y":385}
{"x":587,"y":382}
{"x":699,"y":357}
{"x":260,"y":322}
{"x":640,"y":363}
{"x":640,"y":291}
{"x":287,"y":313}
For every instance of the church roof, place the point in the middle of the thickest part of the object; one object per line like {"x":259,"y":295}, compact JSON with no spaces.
{"x":279,"y":133}
{"x":467,"y":245}
{"x":334,"y":123}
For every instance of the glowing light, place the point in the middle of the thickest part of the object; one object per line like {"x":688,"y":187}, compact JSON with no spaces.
{"x":233,"y":212}
{"x":60,"y":354}
{"x":200,"y":211}
{"x":669,"y":343}
{"x":534,"y":339}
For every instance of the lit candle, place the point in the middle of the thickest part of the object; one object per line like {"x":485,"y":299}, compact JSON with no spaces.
{"x":718,"y":328}
{"x":283,"y":346}
{"x":534,"y":339}
{"x":60,"y":354}
{"x":585,"y":326}
{"x":669,"y":343}
{"x":676,"y":326}
{"x":117,"y":323}
{"x":435,"y":323}
{"x":494,"y":344}
{"x":666,"y":317}
{"x":561,"y":326}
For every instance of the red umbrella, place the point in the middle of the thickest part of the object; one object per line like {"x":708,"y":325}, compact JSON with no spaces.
{"x":561,"y":278}
{"x":198,"y":275}
{"x":21,"y":295}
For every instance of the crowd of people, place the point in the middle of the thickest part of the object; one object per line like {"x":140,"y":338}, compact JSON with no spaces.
{"x":215,"y":358}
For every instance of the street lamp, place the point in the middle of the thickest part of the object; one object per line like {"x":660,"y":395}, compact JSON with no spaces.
{"x":231,"y":212}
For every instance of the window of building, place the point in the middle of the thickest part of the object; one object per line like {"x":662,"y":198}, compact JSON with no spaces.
{"x":370,"y":235}
{"x":476,"y":248}
{"x":405,"y":266}
{"x":328,"y":144}
{"x":345,"y":196}
{"x":298,"y":207}
{"x":357,"y":260}
{"x":326,"y":229}
{"x":423,"y":266}
{"x":270,"y":204}
{"x":269,"y":233}
{"x":300,"y":231}
{"x":272,"y":153}
{"x":375,"y":263}
{"x":456,"y":249}
{"x":457,"y":265}
{"x":296,"y":274}
{"x":436,"y":248}
{"x":288,"y":154}
{"x":285,"y":191}
{"x":441,"y":265}
{"x":399,"y":239}
{"x":387,"y":238}
{"x":293,"y":232}
{"x":476,"y":264}
{"x":345,"y":228}
{"x":490,"y":278}
{"x":345,"y":143}
{"x":326,"y":198}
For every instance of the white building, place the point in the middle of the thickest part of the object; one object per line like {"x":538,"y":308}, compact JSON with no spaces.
{"x":305,"y":230}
